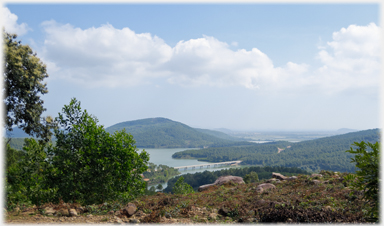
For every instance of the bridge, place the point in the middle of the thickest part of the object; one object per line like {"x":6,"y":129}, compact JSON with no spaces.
{"x":208,"y":165}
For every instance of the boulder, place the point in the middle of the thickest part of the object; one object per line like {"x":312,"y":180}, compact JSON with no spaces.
{"x":263,"y":187}
{"x":315,"y":182}
{"x":278,"y":176}
{"x":223,"y":180}
{"x":205,"y":187}
{"x":129,"y":210}
{"x":291,"y":178}
{"x":271,"y":180}
{"x":49,"y":211}
{"x":64,"y":212}
{"x":316,"y":175}
{"x":72,"y":213}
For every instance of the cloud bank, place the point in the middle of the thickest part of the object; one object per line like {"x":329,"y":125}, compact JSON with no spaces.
{"x":106,"y":56}
{"x":10,"y":23}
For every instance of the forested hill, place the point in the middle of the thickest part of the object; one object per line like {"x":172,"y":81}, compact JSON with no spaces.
{"x":326,"y":153}
{"x":165,"y":133}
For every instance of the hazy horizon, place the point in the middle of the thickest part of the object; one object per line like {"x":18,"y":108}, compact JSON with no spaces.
{"x":246,"y":67}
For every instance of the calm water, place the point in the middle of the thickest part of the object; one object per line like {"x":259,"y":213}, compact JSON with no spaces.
{"x":164,"y":156}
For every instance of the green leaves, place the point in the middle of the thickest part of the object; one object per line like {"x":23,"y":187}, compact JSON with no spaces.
{"x":252,"y":177}
{"x":181,"y":187}
{"x":23,"y":82}
{"x":367,"y":179}
{"x":87,"y":165}
{"x":94,"y":165}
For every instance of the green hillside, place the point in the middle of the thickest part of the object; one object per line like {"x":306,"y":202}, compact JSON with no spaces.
{"x":320,"y":154}
{"x":165,"y":133}
{"x":219,"y":134}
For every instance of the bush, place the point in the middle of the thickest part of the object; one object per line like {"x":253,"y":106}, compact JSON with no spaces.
{"x":181,"y":187}
{"x":92,"y":165}
{"x":367,"y":176}
{"x":252,"y":177}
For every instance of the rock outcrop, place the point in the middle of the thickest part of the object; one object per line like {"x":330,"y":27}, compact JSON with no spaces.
{"x":223,"y":180}
{"x":129,"y":210}
{"x":263,"y":187}
{"x":278,"y":176}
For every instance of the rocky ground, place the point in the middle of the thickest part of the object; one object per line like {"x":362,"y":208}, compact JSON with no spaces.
{"x":320,"y":198}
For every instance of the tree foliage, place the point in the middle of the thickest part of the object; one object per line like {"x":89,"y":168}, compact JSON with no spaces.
{"x":91,"y":164}
{"x":181,"y":187}
{"x":367,"y":176}
{"x":208,"y":177}
{"x":326,"y":153}
{"x":251,"y":177}
{"x":86,"y":165}
{"x":23,"y":84}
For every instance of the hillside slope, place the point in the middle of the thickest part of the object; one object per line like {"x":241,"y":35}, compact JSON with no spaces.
{"x":324,"y":153}
{"x":165,"y":133}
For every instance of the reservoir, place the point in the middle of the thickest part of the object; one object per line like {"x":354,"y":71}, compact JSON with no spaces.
{"x":164,"y":156}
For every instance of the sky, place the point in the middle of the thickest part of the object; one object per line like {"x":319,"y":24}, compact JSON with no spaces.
{"x":248,"y":67}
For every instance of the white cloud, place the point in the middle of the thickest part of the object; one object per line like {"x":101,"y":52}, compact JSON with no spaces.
{"x":10,"y":23}
{"x":106,"y":56}
{"x":352,"y":59}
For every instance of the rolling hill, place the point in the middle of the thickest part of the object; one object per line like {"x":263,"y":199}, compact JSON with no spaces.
{"x":326,"y":153}
{"x":165,"y":133}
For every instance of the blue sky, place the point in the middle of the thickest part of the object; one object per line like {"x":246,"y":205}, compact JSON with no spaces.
{"x":235,"y":66}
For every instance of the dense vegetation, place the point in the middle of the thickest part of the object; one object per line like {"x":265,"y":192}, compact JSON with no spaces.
{"x":165,"y":133}
{"x":86,"y":165}
{"x":320,"y":154}
{"x":366,"y":178}
{"x":24,"y":84}
{"x":159,"y":173}
{"x":208,"y":177}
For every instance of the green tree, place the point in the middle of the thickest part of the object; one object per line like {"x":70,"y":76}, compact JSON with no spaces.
{"x":367,"y":178}
{"x":93,"y":166}
{"x":159,"y":187}
{"x":252,"y":177}
{"x":23,"y":84}
{"x":27,"y":180}
{"x":181,"y":187}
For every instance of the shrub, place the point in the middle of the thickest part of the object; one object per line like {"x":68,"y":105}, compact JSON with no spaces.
{"x":181,"y":187}
{"x":367,"y":176}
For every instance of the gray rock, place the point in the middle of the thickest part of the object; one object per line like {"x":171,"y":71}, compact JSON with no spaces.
{"x":134,"y":221}
{"x":72,"y":212}
{"x":130,"y":209}
{"x":64,"y":212}
{"x":266,"y":186}
{"x":278,"y":176}
{"x":223,"y":180}
{"x":291,"y":178}
{"x":49,"y":211}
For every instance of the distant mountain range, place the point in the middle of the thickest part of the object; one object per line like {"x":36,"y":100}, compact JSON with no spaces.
{"x":165,"y":133}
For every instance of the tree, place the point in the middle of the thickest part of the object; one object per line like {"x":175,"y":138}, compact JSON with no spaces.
{"x":23,"y":84}
{"x":252,"y":177}
{"x":181,"y":187}
{"x":159,"y":187}
{"x":93,"y":166}
{"x":27,"y":180}
{"x":367,"y":178}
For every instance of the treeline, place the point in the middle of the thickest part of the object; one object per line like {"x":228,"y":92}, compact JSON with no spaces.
{"x":208,"y":177}
{"x":159,"y":173}
{"x":320,"y":154}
